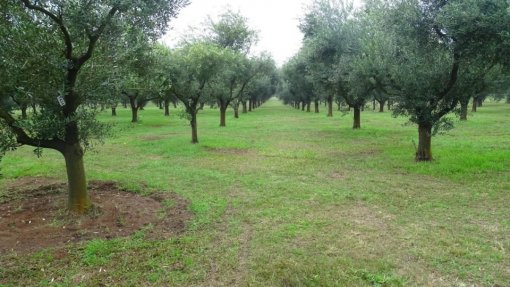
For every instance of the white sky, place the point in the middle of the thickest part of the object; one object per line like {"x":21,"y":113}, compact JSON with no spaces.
{"x":275,"y":20}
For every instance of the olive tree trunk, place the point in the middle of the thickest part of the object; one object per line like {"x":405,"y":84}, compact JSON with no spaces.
{"x":78,"y":199}
{"x":134,"y":108}
{"x":381,"y":106}
{"x":245,"y":107}
{"x":167,"y":108}
{"x":330,"y":106}
{"x":134,"y":114}
{"x":424,"y":152}
{"x":223,"y":116}
{"x":194,"y":128}
{"x":464,"y":109}
{"x":357,"y":118}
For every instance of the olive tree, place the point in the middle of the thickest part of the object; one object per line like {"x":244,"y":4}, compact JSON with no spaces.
{"x":325,"y":31}
{"x":73,"y":30}
{"x":191,"y":69}
{"x":231,"y":32}
{"x":436,"y":51}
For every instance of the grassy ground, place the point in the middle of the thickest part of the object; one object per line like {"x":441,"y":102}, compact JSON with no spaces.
{"x":287,"y":198}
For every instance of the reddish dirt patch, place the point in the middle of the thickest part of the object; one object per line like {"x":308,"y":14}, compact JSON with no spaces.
{"x":33,"y":216}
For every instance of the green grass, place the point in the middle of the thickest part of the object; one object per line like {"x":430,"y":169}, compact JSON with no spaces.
{"x":287,"y":198}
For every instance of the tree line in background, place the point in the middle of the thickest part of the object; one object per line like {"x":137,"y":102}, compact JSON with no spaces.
{"x":62,"y":61}
{"x":424,"y":58}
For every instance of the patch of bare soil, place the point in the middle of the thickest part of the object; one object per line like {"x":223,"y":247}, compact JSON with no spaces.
{"x":227,"y":151}
{"x":153,"y":138}
{"x":368,"y":152}
{"x":33,"y":215}
{"x":158,"y":137}
{"x":337,"y":175}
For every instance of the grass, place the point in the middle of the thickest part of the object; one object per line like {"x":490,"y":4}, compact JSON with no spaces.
{"x":287,"y":198}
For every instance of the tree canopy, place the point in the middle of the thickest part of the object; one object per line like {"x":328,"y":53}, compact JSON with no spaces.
{"x":426,"y":56}
{"x":61,"y":39}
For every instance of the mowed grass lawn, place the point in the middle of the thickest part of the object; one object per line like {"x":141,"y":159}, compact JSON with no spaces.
{"x":287,"y":198}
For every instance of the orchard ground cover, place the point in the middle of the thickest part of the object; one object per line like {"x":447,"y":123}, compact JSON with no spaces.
{"x":282,"y":197}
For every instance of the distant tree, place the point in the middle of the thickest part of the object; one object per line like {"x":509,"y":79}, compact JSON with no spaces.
{"x":300,"y":86}
{"x":138,"y":76}
{"x":324,"y":32}
{"x":231,"y":32}
{"x":472,"y":82}
{"x":191,"y":68}
{"x":352,"y":72}
{"x":162,"y":55}
{"x":229,"y":83}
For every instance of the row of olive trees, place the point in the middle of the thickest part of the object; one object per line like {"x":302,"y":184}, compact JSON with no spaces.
{"x":427,"y":57}
{"x":66,"y":56}
{"x":213,"y":69}
{"x":48,"y":53}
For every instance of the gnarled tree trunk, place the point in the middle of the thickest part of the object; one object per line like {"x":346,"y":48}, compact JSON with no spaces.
{"x":194,"y":128}
{"x":134,"y":108}
{"x":464,"y":109}
{"x":316,"y":104}
{"x":235,"y":106}
{"x":381,"y":106}
{"x":223,"y":115}
{"x":167,"y":108}
{"x":78,"y":199}
{"x":424,"y":152}
{"x":357,"y":118}
{"x":114,"y":111}
{"x":134,"y":114}
{"x":245,"y":107}
{"x":330,"y":106}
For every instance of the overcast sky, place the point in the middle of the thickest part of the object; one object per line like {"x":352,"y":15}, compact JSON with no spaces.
{"x":275,"y":20}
